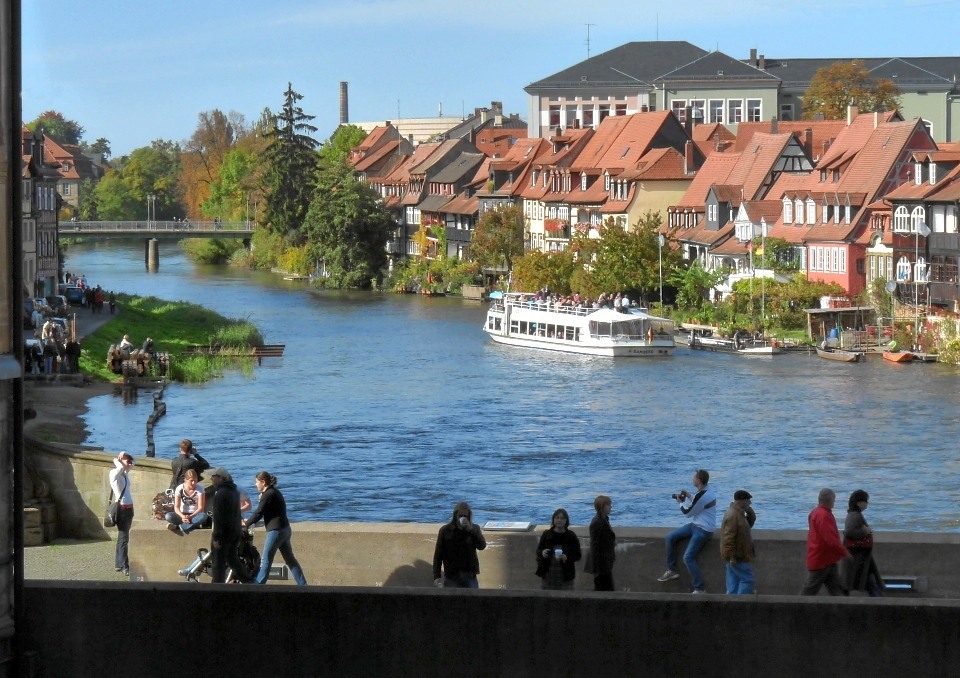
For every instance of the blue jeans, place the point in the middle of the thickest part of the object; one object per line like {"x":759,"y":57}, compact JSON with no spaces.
{"x":460,"y":582}
{"x":739,"y":578}
{"x":195,"y":522}
{"x":279,"y":540}
{"x":698,"y":538}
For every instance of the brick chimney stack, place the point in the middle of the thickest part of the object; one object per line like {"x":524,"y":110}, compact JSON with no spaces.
{"x":344,"y":110}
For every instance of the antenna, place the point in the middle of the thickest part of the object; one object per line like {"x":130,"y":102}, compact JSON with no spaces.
{"x":398,"y":109}
{"x":588,"y":38}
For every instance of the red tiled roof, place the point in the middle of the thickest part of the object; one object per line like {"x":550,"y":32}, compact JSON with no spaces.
{"x":729,"y":193}
{"x":789,"y":232}
{"x":766,"y":210}
{"x":663,"y":164}
{"x":701,"y":235}
{"x":730,"y":246}
{"x":369,"y":160}
{"x":787,"y":183}
{"x":621,"y":141}
{"x":822,"y":131}
{"x":948,"y":188}
{"x":619,"y":206}
{"x":756,"y":162}
{"x":714,"y":171}
{"x":461,"y":204}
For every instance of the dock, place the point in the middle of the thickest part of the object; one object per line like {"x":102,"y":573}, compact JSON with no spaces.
{"x":257,"y":352}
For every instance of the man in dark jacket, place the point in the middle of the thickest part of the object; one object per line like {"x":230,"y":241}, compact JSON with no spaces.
{"x":225,"y":541}
{"x":188,"y":459}
{"x":456,"y":551}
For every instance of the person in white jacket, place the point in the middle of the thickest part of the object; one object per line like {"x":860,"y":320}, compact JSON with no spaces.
{"x":120,"y":484}
{"x":702,"y":512}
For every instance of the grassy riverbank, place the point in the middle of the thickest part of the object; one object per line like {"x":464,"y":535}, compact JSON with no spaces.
{"x":173,"y":326}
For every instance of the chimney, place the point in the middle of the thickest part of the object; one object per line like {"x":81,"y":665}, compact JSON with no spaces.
{"x":876,"y":119}
{"x":808,"y":141}
{"x":483,"y":115}
{"x":851,"y":113}
{"x":763,"y":63}
{"x":688,"y":157}
{"x":774,"y":126}
{"x":344,"y":112}
{"x":498,"y":120}
{"x":826,"y":147}
{"x":644,"y":108}
{"x":753,"y":56}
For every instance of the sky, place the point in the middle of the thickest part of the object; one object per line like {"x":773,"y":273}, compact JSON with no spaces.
{"x":133,"y":71}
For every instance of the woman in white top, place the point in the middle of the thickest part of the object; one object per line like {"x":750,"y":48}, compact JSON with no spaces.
{"x":120,"y":484}
{"x":189,"y":505}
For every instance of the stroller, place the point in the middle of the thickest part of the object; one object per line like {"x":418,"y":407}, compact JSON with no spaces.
{"x":249,"y":556}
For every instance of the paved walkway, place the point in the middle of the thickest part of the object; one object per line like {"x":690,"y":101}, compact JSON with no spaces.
{"x":69,"y":559}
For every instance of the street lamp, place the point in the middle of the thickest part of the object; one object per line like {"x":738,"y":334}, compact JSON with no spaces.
{"x":660,"y":243}
{"x":924,"y":230}
{"x":151,"y":207}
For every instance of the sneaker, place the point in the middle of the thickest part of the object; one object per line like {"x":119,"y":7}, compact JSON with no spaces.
{"x":118,"y":569}
{"x":184,"y":572}
{"x":669,"y":575}
{"x":175,"y":529}
{"x":696,"y":591}
{"x":126,"y":572}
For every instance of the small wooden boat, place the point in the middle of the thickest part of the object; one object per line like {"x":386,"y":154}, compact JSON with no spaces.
{"x":898,"y":356}
{"x":840,"y":355}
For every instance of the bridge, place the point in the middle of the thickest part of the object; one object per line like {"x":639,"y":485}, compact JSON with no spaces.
{"x":159,"y":230}
{"x":153,"y":231}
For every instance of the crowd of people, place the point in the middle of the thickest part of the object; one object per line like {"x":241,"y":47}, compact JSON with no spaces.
{"x":841,"y":564}
{"x":619,"y":302}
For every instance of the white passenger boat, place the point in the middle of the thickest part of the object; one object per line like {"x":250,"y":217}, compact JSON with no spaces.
{"x":516,"y":320}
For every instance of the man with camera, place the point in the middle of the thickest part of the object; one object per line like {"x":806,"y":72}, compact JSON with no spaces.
{"x":702,"y":512}
{"x":188,"y":459}
{"x":456,"y":551}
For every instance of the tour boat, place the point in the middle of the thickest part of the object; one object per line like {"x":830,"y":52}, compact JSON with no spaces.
{"x":517,"y":320}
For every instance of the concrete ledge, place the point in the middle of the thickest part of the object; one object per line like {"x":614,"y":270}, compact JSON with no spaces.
{"x":320,"y":631}
{"x":401,"y":554}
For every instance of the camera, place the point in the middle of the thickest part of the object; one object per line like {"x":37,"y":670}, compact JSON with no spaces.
{"x":679,"y":496}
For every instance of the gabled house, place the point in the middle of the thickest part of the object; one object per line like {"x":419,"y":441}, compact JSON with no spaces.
{"x":444,"y":208}
{"x":43,"y":220}
{"x":379,"y":154}
{"x":509,"y":174}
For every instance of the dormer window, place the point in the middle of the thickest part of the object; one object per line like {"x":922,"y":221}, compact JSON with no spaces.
{"x":606,"y":182}
{"x":533,"y":182}
{"x":823,"y":176}
{"x":918,"y":171}
{"x":787,"y":211}
{"x":825,"y":212}
{"x":836,"y":175}
{"x":836,"y":213}
{"x":846,"y":213}
{"x":811,"y":211}
{"x":799,"y":208}
{"x":583,"y":181}
{"x":933,"y":173}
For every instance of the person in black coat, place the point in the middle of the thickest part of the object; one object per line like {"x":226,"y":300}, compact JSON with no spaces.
{"x":603,"y":541}
{"x":558,"y":553}
{"x":456,"y":552}
{"x":227,"y":525}
{"x":188,"y":459}
{"x":860,"y":572}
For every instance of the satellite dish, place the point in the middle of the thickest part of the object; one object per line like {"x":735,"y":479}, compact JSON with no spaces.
{"x":923,"y":229}
{"x":891,"y":286}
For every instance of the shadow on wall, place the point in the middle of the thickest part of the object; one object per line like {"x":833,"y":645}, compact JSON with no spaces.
{"x":418,"y":574}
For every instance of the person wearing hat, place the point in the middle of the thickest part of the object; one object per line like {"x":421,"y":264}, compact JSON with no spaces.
{"x":120,"y":484}
{"x":736,"y":544}
{"x":225,"y":541}
{"x":702,"y":513}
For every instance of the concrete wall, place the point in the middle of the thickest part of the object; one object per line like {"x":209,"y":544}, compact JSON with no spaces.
{"x":89,"y":630}
{"x":401,"y":554}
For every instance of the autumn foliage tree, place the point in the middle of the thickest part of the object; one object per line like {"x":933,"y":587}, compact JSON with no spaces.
{"x":845,"y":83}
{"x":56,"y":125}
{"x":498,"y":238}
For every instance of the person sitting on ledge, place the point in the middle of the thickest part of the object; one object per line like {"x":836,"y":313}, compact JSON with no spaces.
{"x":126,"y":345}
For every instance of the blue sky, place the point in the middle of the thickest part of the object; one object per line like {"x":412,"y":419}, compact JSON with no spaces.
{"x":135,"y":71}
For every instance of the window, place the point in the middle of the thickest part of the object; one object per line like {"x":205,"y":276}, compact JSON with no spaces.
{"x":799,"y":207}
{"x":604,"y":112}
{"x":583,"y":181}
{"x":621,"y":109}
{"x":835,"y":259}
{"x":679,"y":107}
{"x":698,"y":110}
{"x":753,"y":110}
{"x":786,"y":111}
{"x":836,"y":213}
{"x":606,"y":182}
{"x":554,"y":116}
{"x":66,"y":189}
{"x":843,"y":259}
{"x":571,"y":118}
{"x":901,"y":220}
{"x":933,"y":173}
{"x":787,"y":211}
{"x":588,"y":116}
{"x":903,"y":269}
{"x":811,"y":211}
{"x":734,"y":111}
{"x":846,"y":213}
{"x":716,"y":110}
{"x":917,"y":217}
{"x":920,"y":270}
{"x":712,"y":212}
{"x":826,"y":212}
{"x":918,"y":172}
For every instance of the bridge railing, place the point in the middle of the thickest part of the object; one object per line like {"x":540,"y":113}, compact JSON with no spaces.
{"x":156,"y":226}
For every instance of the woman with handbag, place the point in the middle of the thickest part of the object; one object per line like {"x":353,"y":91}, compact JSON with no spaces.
{"x":120,"y":484}
{"x":861,"y":569}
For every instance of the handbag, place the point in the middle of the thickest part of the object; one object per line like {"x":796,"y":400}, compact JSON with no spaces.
{"x":861,"y":543}
{"x":110,"y":517}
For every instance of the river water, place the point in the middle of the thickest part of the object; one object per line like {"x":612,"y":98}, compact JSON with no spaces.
{"x":394,"y":407}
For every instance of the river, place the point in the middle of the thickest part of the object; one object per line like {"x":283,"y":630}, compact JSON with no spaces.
{"x":394,"y":407}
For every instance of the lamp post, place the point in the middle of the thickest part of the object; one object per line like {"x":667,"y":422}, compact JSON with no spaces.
{"x":924,"y":230}
{"x":246,"y":211}
{"x":660,"y":243}
{"x":151,"y":207}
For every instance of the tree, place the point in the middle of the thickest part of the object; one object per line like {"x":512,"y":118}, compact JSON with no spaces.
{"x":113,"y":199}
{"x":498,"y":238}
{"x":694,"y":284}
{"x":60,"y":128}
{"x":149,"y":170}
{"x":101,"y":147}
{"x":228,"y":196}
{"x":347,"y":228}
{"x":337,"y":148}
{"x":536,"y":270}
{"x":215,"y":136}
{"x":846,"y":83}
{"x":775,"y":253}
{"x":291,"y":162}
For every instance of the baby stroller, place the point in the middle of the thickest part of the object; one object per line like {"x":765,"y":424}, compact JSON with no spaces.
{"x":249,"y":556}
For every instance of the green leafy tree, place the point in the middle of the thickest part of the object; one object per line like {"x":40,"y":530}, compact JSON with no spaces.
{"x":88,"y":201}
{"x":149,"y":170}
{"x":112,"y":198}
{"x":536,"y":270}
{"x":229,"y":191}
{"x":693,"y":285}
{"x":57,"y":126}
{"x":347,"y":228}
{"x":337,"y":147}
{"x":291,"y":163}
{"x":846,"y":83}
{"x":101,"y":147}
{"x":498,"y":238}
{"x":776,"y":254}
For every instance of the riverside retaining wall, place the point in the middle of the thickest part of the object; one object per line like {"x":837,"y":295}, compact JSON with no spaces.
{"x":82,"y":630}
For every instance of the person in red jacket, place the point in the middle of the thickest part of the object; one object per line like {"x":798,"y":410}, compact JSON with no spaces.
{"x":824,"y":548}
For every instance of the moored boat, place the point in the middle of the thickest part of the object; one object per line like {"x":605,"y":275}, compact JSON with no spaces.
{"x":840,"y":355}
{"x":515,"y":319}
{"x":898,"y":356}
{"x":702,"y":338}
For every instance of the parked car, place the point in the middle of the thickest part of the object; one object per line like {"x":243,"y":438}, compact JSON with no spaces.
{"x":58,"y":303}
{"x":73,"y":294}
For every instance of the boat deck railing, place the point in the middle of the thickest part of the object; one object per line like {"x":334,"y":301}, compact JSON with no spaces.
{"x":500,"y":304}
